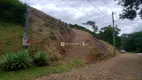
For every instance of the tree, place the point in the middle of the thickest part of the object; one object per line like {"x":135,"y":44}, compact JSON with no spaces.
{"x":130,"y":8}
{"x":12,"y":11}
{"x":123,"y":41}
{"x":134,"y":42}
{"x":93,"y":24}
{"x":106,"y":35}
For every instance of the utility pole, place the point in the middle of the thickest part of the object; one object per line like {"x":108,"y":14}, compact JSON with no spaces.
{"x":122,"y":42}
{"x":27,"y":22}
{"x":26,"y":38}
{"x":113,"y":33}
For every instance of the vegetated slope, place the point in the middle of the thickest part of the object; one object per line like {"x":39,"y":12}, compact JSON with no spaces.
{"x":47,"y":33}
{"x":11,"y":36}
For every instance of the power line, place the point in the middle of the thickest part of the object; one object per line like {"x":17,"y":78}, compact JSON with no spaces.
{"x":96,"y":7}
{"x":107,"y":5}
{"x":109,"y":8}
{"x":82,"y":11}
{"x":76,"y":8}
{"x":120,"y":22}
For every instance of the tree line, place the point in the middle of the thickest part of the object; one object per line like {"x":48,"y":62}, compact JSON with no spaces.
{"x":130,"y":42}
{"x":12,"y":11}
{"x":104,"y":33}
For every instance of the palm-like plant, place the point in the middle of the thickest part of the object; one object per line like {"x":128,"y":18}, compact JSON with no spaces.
{"x":12,"y":61}
{"x":7,"y":61}
{"x":41,"y":58}
{"x":23,"y":59}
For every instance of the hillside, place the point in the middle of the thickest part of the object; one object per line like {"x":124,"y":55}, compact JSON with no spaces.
{"x":10,"y":37}
{"x":46,"y":33}
{"x":89,"y":48}
{"x":62,"y":51}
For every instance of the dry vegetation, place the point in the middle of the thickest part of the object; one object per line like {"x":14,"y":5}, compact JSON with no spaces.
{"x":11,"y":36}
{"x":46,"y":33}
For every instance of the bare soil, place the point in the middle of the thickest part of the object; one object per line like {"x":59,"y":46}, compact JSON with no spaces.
{"x":85,"y":46}
{"x":121,"y":67}
{"x":47,"y":33}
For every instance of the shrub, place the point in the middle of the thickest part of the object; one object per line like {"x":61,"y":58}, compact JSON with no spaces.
{"x":12,"y":61}
{"x":12,"y":11}
{"x":23,"y":59}
{"x":41,"y":58}
{"x":96,"y":54}
{"x":55,"y":57}
{"x":7,"y":61}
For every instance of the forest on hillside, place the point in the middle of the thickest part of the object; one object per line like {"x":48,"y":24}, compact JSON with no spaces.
{"x":12,"y":11}
{"x":130,"y":42}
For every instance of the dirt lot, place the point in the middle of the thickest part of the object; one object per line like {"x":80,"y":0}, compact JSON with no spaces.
{"x":121,"y":67}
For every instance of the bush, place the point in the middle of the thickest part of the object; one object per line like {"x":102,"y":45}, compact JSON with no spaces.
{"x":12,"y":11}
{"x":12,"y":61}
{"x":41,"y":58}
{"x":7,"y":61}
{"x":23,"y":60}
{"x":54,"y":57}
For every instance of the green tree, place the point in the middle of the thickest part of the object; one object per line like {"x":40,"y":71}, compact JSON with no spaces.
{"x":93,"y":24}
{"x":106,"y":35}
{"x":134,"y":42}
{"x":130,"y":8}
{"x":123,"y":41}
{"x":12,"y":11}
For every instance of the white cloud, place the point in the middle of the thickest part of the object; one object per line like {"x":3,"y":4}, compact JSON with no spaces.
{"x":61,"y":10}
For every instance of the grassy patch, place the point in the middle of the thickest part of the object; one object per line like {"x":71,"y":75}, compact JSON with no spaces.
{"x":131,"y":52}
{"x":10,"y":37}
{"x":31,"y":73}
{"x":34,"y":71}
{"x":75,"y":63}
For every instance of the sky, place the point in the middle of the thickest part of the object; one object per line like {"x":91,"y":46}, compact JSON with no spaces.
{"x":80,"y":11}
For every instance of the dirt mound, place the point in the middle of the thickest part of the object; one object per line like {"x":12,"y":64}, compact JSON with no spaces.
{"x":47,"y":33}
{"x":84,"y":45}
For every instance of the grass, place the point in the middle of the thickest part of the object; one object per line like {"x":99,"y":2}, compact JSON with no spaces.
{"x":131,"y":52}
{"x":11,"y":36}
{"x":34,"y":71}
{"x":77,"y":63}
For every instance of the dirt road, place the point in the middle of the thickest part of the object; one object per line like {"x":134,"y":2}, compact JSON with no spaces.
{"x":121,"y":67}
